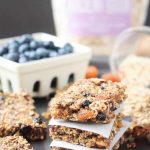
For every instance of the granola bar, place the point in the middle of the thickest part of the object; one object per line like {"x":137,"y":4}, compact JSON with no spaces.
{"x":92,"y":100}
{"x":138,"y":104}
{"x":18,"y":115}
{"x":14,"y":143}
{"x":84,"y":138}
{"x":116,"y":146}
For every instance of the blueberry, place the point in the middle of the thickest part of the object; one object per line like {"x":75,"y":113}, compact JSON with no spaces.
{"x":12,"y":56}
{"x":101,"y":116}
{"x":3,"y":50}
{"x":102,"y":88}
{"x":33,"y":44}
{"x":53,"y":54}
{"x":13,"y":50}
{"x":42,"y":53}
{"x":113,"y":108}
{"x":86,"y":103}
{"x":56,"y":48}
{"x":68,"y":48}
{"x":61,"y":51}
{"x":25,"y":129}
{"x":40,"y":44}
{"x":26,"y":38}
{"x":23,"y":59}
{"x":38,"y":120}
{"x":49,"y":44}
{"x":31,"y":55}
{"x":13,"y":45}
{"x":23,"y":48}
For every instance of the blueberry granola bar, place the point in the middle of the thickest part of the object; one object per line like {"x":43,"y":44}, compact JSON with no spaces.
{"x":18,"y":115}
{"x":84,"y":138}
{"x":14,"y":143}
{"x":88,"y":100}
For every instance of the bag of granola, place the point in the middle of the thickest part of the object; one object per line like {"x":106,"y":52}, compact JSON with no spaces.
{"x":96,"y":23}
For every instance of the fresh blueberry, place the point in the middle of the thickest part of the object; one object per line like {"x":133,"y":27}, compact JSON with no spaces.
{"x":31,"y":55}
{"x":26,"y":38}
{"x":101,"y":116}
{"x":3,"y":50}
{"x":61,"y":51}
{"x":13,"y":50}
{"x":68,"y":48}
{"x":23,"y":59}
{"x":23,"y":48}
{"x":53,"y":54}
{"x":13,"y":45}
{"x":56,"y":48}
{"x":42,"y":53}
{"x":33,"y":44}
{"x":49,"y":44}
{"x":40,"y":44}
{"x":12,"y":56}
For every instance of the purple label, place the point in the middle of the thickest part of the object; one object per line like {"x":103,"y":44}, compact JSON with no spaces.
{"x":98,"y":17}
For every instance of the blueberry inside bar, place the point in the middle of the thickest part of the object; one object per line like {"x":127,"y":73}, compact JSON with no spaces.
{"x":84,"y":138}
{"x":18,"y":115}
{"x":92,"y":100}
{"x":14,"y":143}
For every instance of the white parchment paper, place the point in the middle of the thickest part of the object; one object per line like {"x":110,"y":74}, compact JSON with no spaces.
{"x":119,"y":109}
{"x":67,"y":145}
{"x":102,"y":129}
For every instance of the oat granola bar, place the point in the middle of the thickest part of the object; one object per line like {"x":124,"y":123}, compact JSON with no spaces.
{"x":84,"y":138}
{"x":14,"y":143}
{"x":92,"y":100}
{"x":138,"y":104}
{"x":116,"y":146}
{"x":18,"y":115}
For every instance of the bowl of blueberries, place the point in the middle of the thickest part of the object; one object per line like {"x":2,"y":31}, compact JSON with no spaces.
{"x":40,"y":63}
{"x":26,"y":48}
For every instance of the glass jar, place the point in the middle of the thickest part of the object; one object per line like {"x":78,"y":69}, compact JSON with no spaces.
{"x":96,"y":23}
{"x":133,"y":41}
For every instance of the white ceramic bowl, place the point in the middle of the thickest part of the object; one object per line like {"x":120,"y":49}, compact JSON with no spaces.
{"x":44,"y":76}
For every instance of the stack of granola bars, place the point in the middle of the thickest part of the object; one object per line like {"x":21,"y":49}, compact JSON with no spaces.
{"x":85,"y":116}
